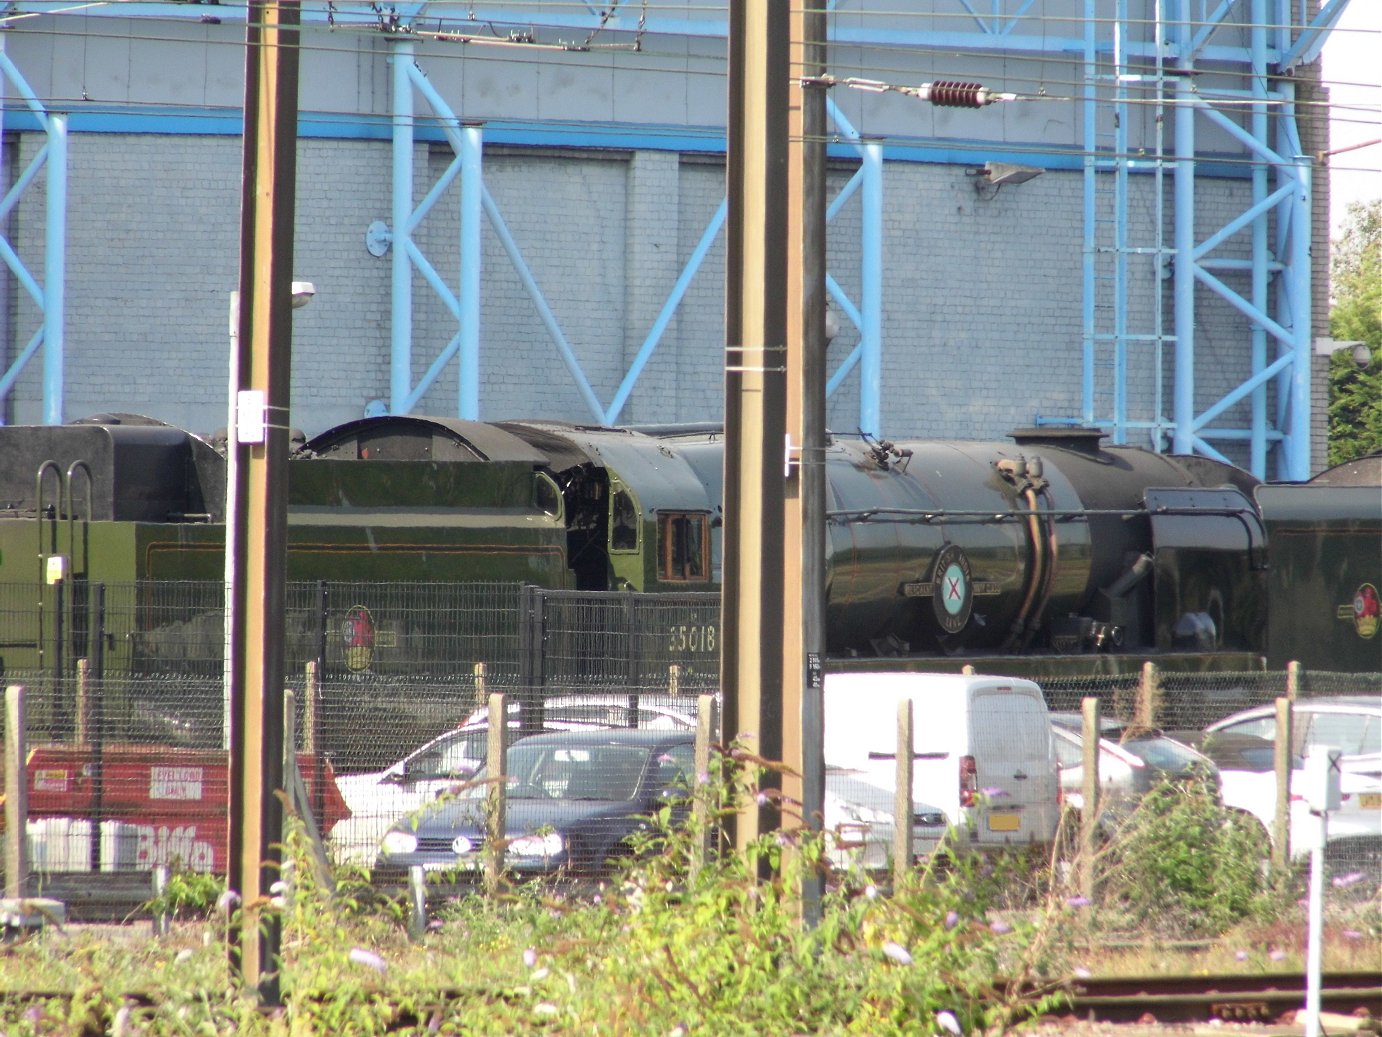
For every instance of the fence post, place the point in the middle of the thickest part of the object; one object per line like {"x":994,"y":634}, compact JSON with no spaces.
{"x":902,"y":796}
{"x":1281,"y":764}
{"x":700,"y":809}
{"x":632,"y":675}
{"x":162,"y":920}
{"x":498,"y":793}
{"x":532,"y":674}
{"x":1149,"y":695}
{"x":17,"y":793}
{"x":417,"y":903}
{"x":1089,"y":815}
{"x":481,"y":683}
{"x":310,"y":688}
{"x":1293,"y":680}
{"x":967,"y":669}
{"x":81,"y":732}
{"x":674,"y":680}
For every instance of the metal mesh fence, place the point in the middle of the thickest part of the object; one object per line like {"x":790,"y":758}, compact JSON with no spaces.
{"x":129,"y":760}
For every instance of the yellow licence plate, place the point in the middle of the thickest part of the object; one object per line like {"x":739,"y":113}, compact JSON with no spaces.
{"x":1004,"y":822}
{"x":1371,"y":800}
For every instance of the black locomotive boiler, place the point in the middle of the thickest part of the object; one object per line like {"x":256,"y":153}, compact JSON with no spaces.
{"x":1052,"y":544}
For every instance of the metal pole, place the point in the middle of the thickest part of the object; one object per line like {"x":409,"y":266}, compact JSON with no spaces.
{"x":803,"y":635}
{"x":401,"y":331}
{"x":472,"y":216}
{"x":870,"y":290}
{"x":1183,"y":392}
{"x":55,"y":271}
{"x":257,"y":532}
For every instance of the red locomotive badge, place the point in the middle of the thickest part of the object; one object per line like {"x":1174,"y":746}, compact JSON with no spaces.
{"x":1365,"y":611}
{"x":357,"y":633}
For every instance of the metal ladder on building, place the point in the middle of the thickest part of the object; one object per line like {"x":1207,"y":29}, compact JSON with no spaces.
{"x":1123,"y":320}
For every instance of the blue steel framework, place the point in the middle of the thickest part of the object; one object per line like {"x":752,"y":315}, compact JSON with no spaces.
{"x":1128,"y":61}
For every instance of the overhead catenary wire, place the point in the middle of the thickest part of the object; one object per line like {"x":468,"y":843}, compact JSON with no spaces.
{"x":648,"y":57}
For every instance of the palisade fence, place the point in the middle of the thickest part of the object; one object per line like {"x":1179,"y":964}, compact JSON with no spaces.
{"x":125,"y":708}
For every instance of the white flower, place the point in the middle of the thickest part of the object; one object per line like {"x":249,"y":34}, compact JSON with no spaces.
{"x":369,"y":959}
{"x":530,"y":957}
{"x":897,"y":953}
{"x":948,"y":1022}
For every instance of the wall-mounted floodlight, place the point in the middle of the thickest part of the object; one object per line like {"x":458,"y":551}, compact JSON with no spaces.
{"x":302,"y":293}
{"x":994,"y":175}
{"x":1360,"y":352}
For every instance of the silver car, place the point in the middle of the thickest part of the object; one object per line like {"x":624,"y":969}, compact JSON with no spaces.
{"x":1132,"y":761}
{"x":1350,"y":723}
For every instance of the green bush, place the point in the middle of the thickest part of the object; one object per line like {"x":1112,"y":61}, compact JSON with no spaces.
{"x":1183,"y":863}
{"x":187,"y":894}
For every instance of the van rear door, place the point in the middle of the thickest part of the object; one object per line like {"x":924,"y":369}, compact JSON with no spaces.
{"x":1010,"y":737}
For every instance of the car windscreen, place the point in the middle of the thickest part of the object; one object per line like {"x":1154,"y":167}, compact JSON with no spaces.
{"x":454,"y":756}
{"x":1166,"y":755}
{"x":602,"y":772}
{"x":1353,"y":733}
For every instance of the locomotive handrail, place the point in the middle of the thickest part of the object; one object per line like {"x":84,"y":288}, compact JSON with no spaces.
{"x":927,"y":515}
{"x":43,"y":470}
{"x":70,"y":505}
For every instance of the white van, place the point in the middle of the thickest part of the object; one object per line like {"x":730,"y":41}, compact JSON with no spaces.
{"x":983,"y":751}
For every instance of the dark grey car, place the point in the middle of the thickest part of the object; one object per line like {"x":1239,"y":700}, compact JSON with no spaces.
{"x":575,"y":801}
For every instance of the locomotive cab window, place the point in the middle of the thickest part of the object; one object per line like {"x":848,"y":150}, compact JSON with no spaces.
{"x":684,"y":545}
{"x":546,"y":495}
{"x":623,"y":522}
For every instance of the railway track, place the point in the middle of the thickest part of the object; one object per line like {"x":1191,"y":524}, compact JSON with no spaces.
{"x":1231,"y":998}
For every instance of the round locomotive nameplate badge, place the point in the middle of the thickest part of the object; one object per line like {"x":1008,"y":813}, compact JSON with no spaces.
{"x":953,"y":593}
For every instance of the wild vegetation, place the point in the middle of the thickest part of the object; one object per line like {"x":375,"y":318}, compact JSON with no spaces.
{"x":1355,"y":394}
{"x":974,"y":944}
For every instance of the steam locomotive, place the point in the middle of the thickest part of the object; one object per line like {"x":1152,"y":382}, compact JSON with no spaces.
{"x":1052,"y":545}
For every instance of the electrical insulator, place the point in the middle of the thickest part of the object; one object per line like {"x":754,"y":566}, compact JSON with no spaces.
{"x":954,"y":94}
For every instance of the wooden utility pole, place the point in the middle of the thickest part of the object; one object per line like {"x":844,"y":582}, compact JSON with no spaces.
{"x":256,"y":505}
{"x":773,"y":622}
{"x":803,"y":640}
{"x":756,"y":394}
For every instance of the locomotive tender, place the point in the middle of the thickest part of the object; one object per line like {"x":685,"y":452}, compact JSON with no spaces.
{"x":1052,"y":545}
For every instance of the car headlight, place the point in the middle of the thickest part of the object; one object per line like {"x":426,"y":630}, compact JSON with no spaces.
{"x":548,"y":845}
{"x":396,"y":843}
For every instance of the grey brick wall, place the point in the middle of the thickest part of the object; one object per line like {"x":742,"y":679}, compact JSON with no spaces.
{"x":982,"y":295}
